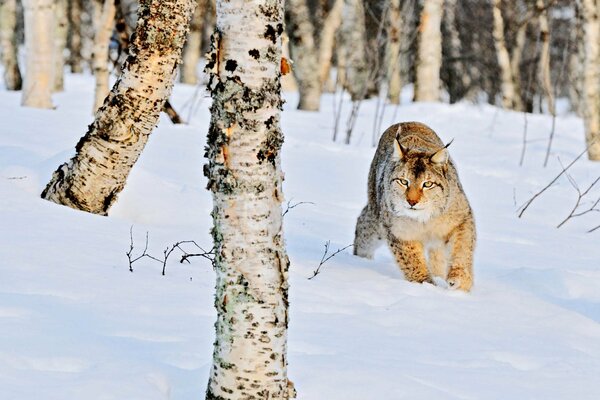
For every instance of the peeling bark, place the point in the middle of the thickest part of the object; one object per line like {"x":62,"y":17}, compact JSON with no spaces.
{"x":9,"y":45}
{"x":93,"y":178}
{"x":104,"y":18}
{"x":429,"y":52}
{"x":244,"y":176}
{"x":39,"y":45}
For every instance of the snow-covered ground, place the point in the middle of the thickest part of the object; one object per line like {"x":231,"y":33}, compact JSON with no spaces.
{"x":76,"y":324}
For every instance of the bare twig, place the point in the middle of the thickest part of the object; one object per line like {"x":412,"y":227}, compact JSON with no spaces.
{"x":326,"y":257}
{"x":580,"y":196}
{"x":291,"y":206}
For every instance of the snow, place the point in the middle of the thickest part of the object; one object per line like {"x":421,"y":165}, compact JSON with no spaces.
{"x":75,"y":323}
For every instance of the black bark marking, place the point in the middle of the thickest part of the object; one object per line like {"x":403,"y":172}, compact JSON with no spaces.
{"x":231,"y":65}
{"x":271,"y":34}
{"x":254,"y":53}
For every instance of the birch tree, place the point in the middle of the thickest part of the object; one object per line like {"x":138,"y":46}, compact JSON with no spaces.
{"x":429,"y":52}
{"x":352,"y":63}
{"x":93,"y":178}
{"x":590,"y":10}
{"x":74,"y":36}
{"x":244,"y":176}
{"x":9,"y":45}
{"x":459,"y":79}
{"x":392,"y":52}
{"x":104,"y":19}
{"x":61,"y":32}
{"x":191,"y":50}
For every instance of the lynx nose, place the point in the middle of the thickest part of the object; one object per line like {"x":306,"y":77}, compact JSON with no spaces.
{"x":412,"y":202}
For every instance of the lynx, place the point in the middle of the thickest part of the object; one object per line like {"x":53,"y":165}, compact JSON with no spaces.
{"x":417,"y":205}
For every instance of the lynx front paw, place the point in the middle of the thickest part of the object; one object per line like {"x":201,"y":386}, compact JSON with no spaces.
{"x":459,"y":280}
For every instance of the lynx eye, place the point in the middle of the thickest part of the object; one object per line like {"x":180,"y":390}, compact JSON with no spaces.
{"x":428,"y":184}
{"x":402,"y":182}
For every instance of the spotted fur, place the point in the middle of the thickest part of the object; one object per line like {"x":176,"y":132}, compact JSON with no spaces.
{"x":416,"y":205}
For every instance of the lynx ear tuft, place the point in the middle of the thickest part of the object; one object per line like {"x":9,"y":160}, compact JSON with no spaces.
{"x":441,"y":156}
{"x":399,"y":150}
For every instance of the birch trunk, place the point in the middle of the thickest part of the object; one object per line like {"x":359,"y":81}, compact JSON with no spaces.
{"x":9,"y":45}
{"x":74,"y":37}
{"x":303,"y":51}
{"x":103,"y":27}
{"x":39,"y":46}
{"x":352,"y":44}
{"x":544,"y":63}
{"x":93,"y":178}
{"x":327,"y":40}
{"x":591,"y":76}
{"x":576,"y":61}
{"x":510,"y":97}
{"x":429,"y":52}
{"x":459,"y":82}
{"x":60,"y":43}
{"x":515,"y":66}
{"x":191,"y":50}
{"x":392,"y":52}
{"x":244,"y":176}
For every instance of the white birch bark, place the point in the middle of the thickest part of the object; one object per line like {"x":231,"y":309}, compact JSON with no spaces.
{"x":39,"y":46}
{"x":331,"y":24}
{"x":60,"y":43}
{"x":93,"y":178}
{"x":9,"y":45}
{"x":460,"y":81}
{"x":429,"y":52}
{"x":74,"y":36}
{"x":244,"y":175}
{"x":576,"y":61}
{"x":103,"y":27}
{"x":591,"y":76}
{"x":510,"y":96}
{"x":191,"y":50}
{"x":544,"y":63}
{"x":303,"y":51}
{"x":352,"y":47}
{"x":515,"y":66}
{"x":392,"y":52}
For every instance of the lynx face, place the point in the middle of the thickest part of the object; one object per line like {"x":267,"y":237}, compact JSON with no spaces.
{"x":417,"y":186}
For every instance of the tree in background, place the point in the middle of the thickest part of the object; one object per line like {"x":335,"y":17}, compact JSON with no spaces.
{"x":61,"y":20}
{"x":429,"y":53}
{"x":191,"y":50}
{"x":9,"y":45}
{"x":244,"y":176}
{"x":93,"y":178}
{"x":104,"y":22}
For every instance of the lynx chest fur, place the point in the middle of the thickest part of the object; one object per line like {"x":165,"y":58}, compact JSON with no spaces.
{"x":416,"y":205}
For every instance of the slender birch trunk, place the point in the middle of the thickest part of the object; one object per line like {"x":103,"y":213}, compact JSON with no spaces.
{"x":93,"y":178}
{"x":352,"y":43}
{"x":191,"y":50}
{"x":515,"y":66}
{"x":459,"y":85}
{"x":510,"y":97}
{"x":544,"y":63}
{"x":244,"y":176}
{"x":576,"y":61}
{"x":60,"y":43}
{"x":392,"y":52}
{"x":429,"y":52}
{"x":9,"y":45}
{"x":74,"y":37}
{"x":591,"y":76}
{"x":104,"y":21}
{"x":39,"y":45}
{"x":331,"y":24}
{"x":303,"y":51}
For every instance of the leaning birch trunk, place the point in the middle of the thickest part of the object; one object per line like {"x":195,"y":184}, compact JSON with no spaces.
{"x":304,"y":54}
{"x":74,"y":36}
{"x":244,"y":176}
{"x":103,"y":27}
{"x":39,"y":46}
{"x":9,"y":45}
{"x":60,"y":43}
{"x":191,"y":50}
{"x":327,"y":40}
{"x":352,"y":43}
{"x":510,"y":97}
{"x":429,"y":52}
{"x":591,"y":76}
{"x":392,"y":52}
{"x":93,"y":178}
{"x":544,"y":63}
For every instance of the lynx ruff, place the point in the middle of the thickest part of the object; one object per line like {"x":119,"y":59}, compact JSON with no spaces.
{"x":417,"y":205}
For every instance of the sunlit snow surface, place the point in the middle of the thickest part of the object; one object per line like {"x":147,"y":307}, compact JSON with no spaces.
{"x":76,"y":324}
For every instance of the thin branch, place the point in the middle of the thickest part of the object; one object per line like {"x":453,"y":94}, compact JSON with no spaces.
{"x":326,"y":257}
{"x":291,"y":206}
{"x":580,"y":197}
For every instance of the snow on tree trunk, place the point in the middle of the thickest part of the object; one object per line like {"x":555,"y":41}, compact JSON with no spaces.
{"x":104,"y":19}
{"x":191,"y":50}
{"x":510,"y":96}
{"x":591,"y":76}
{"x":352,"y":46}
{"x":244,"y":176}
{"x":9,"y":45}
{"x":544,"y":63}
{"x":39,"y":46}
{"x":93,"y":178}
{"x":327,"y":40}
{"x":392,"y":52}
{"x":304,"y":54}
{"x":74,"y":36}
{"x":429,"y":52}
{"x":60,"y":43}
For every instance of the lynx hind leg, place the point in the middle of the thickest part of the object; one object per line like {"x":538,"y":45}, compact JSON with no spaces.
{"x":411,"y":259}
{"x":367,"y":237}
{"x":437,"y":261}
